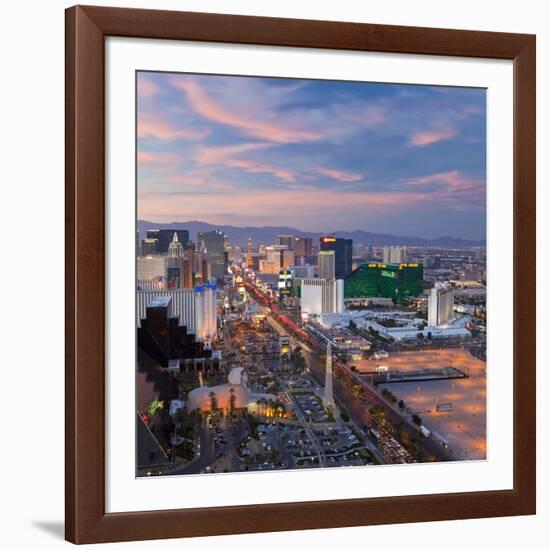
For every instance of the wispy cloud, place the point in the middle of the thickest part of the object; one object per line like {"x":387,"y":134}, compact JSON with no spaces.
{"x":152,"y":126}
{"x":369,"y":116}
{"x":232,"y":156}
{"x":222,"y":114}
{"x":453,"y":187}
{"x":149,"y":157}
{"x":452,"y":178}
{"x":419,"y":139}
{"x":146,"y":88}
{"x":340,"y":175}
{"x":218,"y":155}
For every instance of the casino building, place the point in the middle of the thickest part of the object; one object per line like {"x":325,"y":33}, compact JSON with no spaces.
{"x":395,"y":281}
{"x":235,"y":394}
{"x":343,"y":253}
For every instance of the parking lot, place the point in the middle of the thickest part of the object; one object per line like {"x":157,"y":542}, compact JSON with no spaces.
{"x":311,"y":406}
{"x":454,"y":410}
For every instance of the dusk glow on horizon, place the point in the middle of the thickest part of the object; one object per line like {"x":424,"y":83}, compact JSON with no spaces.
{"x":251,"y":151}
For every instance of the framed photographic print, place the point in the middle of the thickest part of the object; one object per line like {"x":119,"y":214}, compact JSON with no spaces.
{"x":300,"y":264}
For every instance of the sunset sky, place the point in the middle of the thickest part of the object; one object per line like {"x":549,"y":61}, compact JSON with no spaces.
{"x":314,"y":155}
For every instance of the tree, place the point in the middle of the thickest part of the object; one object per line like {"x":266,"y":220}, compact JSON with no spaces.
{"x":401,"y":404}
{"x":357,"y":391}
{"x":298,"y":360}
{"x":416,"y":419}
{"x":429,"y":335}
{"x":232,"y":400}
{"x":213,"y":401}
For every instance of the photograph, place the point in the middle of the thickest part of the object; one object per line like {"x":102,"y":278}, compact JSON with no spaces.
{"x":285,"y":288}
{"x":310,"y":273}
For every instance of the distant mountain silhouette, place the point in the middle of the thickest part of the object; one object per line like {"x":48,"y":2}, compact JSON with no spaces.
{"x":238,"y":236}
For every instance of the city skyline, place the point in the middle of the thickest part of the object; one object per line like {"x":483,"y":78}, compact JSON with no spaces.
{"x":383,"y":158}
{"x":246,"y":232}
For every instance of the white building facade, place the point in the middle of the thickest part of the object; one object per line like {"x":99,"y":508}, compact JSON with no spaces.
{"x":327,"y":265}
{"x":150,"y":267}
{"x":206,"y":321}
{"x":182,"y":306}
{"x":440,"y":305}
{"x":321,"y":296}
{"x":395,"y":254}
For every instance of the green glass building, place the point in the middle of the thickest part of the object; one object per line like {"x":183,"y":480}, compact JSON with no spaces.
{"x":395,"y":281}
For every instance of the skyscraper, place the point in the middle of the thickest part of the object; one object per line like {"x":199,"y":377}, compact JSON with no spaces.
{"x":327,"y":265}
{"x":303,"y":246}
{"x":286,"y":240}
{"x":440,"y":305}
{"x":149,"y":247}
{"x":249,"y":257}
{"x":212,"y":244}
{"x":150,"y":268}
{"x":394,"y":254}
{"x":319,"y":296}
{"x":395,"y":281}
{"x":175,"y":264}
{"x":182,"y":305}
{"x":343,"y":249}
{"x":277,"y":257}
{"x":165,"y":236}
{"x":359,"y":250}
{"x":188,"y":268}
{"x":205,"y":312}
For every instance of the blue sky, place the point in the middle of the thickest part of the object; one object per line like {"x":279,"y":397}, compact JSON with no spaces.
{"x":315,"y":155}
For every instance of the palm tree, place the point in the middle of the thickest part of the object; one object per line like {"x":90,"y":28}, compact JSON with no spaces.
{"x":298,"y":359}
{"x":232,"y":400}
{"x":262,"y":406}
{"x":213,"y":402}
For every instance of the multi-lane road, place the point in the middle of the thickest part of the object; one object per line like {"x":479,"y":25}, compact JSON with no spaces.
{"x":358,"y":409}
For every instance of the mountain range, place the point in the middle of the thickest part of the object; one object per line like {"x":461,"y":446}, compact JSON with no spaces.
{"x":238,"y":236}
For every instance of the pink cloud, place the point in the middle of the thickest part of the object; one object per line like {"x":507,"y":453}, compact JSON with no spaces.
{"x":340,"y":175}
{"x":146,"y":157}
{"x":369,"y":116}
{"x":150,"y":126}
{"x":212,"y":110}
{"x":219,"y":155}
{"x":451,"y":178}
{"x":296,"y":204}
{"x":230,"y":156}
{"x":432,"y":136}
{"x":146,"y":88}
{"x":456,"y":189}
{"x":261,"y":168}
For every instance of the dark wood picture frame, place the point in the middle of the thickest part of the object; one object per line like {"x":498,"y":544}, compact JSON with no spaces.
{"x":86,"y":30}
